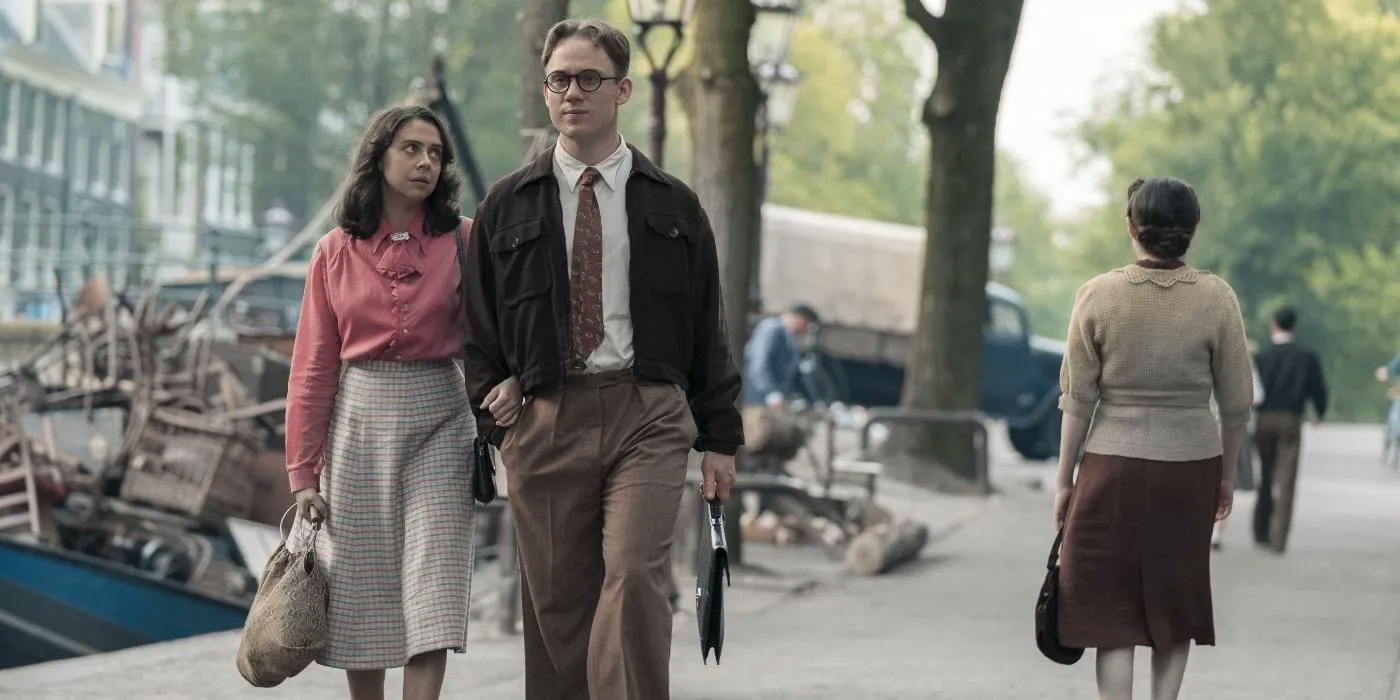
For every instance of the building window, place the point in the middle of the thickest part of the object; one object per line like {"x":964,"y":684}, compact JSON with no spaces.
{"x":7,"y":142}
{"x":39,"y":129}
{"x":121,"y":170}
{"x":213,"y":176}
{"x":56,"y":130}
{"x":245,"y":182}
{"x":8,"y":250}
{"x":182,"y":172}
{"x":231,"y":160}
{"x":25,"y":233}
{"x":24,"y":122}
{"x":100,"y":152}
{"x":52,"y":253}
{"x":81,"y":135}
{"x":116,"y":30}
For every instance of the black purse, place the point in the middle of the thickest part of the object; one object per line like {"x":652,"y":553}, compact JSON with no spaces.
{"x":1047,"y":611}
{"x":484,"y":471}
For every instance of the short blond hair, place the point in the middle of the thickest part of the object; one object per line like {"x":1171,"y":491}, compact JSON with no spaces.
{"x":603,"y":35}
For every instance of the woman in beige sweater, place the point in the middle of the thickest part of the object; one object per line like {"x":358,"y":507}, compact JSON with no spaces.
{"x":1148,"y":346}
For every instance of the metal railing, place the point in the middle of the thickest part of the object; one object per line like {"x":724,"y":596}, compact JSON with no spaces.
{"x":974,"y":419}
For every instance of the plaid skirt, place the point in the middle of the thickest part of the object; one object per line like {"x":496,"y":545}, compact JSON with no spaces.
{"x":398,"y":546}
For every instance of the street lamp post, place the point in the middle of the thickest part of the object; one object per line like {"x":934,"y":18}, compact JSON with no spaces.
{"x":778,"y":83}
{"x":769,"y":40}
{"x":648,"y":15}
{"x":1003,"y":250}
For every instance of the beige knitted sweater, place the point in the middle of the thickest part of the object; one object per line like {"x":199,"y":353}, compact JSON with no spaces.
{"x":1146,"y":350}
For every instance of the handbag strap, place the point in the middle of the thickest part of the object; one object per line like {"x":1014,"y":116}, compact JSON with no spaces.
{"x":1055,"y":548}
{"x":462,"y":268}
{"x":285,"y":533}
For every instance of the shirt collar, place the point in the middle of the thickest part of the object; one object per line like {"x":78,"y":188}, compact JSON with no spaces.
{"x":1282,"y":338}
{"x":415,"y":232}
{"x":617,"y":165}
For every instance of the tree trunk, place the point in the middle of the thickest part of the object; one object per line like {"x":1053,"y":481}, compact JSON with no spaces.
{"x":536,"y":19}
{"x":974,"y":39}
{"x":721,"y":98}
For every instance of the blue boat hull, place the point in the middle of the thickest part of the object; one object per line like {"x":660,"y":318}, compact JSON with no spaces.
{"x":56,"y":604}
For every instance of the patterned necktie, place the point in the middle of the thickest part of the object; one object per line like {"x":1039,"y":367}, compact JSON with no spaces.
{"x":586,"y":279}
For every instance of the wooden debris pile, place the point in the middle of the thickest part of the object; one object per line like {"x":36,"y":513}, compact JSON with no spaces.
{"x":191,"y":434}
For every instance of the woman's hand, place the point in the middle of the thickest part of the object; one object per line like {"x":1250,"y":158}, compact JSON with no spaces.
{"x":310,"y":506}
{"x":1062,"y":495}
{"x":1227,"y":500}
{"x":504,"y":402}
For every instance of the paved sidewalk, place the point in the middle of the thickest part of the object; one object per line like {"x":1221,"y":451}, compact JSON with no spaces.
{"x":1320,"y":623}
{"x":202,"y":668}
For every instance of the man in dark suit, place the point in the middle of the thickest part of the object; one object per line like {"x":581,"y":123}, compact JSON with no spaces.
{"x":1292,"y":378}
{"x":597,"y":358}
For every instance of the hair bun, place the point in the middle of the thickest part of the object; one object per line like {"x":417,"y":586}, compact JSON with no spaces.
{"x":1167,"y":242}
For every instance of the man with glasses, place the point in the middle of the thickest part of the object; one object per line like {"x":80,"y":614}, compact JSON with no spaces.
{"x":594,"y":302}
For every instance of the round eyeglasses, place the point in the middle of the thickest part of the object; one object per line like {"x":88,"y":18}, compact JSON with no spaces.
{"x":588,"y":80}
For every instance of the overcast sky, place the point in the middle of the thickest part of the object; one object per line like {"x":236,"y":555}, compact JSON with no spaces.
{"x":1063,"y":48}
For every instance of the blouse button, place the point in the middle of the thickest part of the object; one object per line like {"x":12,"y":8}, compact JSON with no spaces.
{"x":405,"y":330}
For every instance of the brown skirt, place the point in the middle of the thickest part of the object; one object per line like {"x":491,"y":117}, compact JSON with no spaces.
{"x":1135,"y":563}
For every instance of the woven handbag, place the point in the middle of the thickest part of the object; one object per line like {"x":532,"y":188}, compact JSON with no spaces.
{"x":286,"y":626}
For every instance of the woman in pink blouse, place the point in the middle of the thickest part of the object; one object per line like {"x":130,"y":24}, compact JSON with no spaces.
{"x":378,"y":426}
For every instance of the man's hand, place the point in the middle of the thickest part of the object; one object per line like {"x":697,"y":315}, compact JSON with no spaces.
{"x":717,"y":474}
{"x":504,"y":402}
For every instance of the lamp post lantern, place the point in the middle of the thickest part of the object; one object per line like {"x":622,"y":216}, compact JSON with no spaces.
{"x":771,"y":34}
{"x":1003,"y":250}
{"x":649,"y":15}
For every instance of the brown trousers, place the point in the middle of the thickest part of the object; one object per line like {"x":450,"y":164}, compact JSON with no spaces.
{"x":596,"y":471}
{"x":1279,"y":437}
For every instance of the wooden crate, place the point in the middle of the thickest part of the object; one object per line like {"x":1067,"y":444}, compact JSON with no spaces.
{"x":192,"y":464}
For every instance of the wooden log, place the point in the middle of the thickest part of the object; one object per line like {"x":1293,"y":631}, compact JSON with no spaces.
{"x":884,"y":547}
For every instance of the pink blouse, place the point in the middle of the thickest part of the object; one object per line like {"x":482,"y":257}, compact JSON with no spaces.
{"x":367,"y":299}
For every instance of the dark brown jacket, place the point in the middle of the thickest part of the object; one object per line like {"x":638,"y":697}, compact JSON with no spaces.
{"x":517,"y":290}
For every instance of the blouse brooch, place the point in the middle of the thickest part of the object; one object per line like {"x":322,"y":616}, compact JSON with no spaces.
{"x":399,"y":236}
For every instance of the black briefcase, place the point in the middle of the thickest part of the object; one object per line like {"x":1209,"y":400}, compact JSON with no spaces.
{"x":710,"y":582}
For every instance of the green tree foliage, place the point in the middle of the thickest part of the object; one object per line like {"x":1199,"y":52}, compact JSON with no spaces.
{"x":1042,"y":251}
{"x":301,"y":77}
{"x":855,"y":145}
{"x":1286,"y":118}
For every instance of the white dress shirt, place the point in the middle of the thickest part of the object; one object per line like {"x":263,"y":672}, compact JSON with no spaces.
{"x":615,"y":350}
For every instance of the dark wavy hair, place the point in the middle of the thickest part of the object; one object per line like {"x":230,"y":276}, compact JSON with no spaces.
{"x":1164,"y":212}
{"x":362,"y":205}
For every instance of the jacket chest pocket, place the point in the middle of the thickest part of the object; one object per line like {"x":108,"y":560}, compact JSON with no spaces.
{"x":521,"y":261}
{"x":666,"y":250}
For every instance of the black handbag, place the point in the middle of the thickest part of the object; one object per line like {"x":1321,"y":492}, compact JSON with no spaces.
{"x":484,"y":471}
{"x":710,"y":581}
{"x":1047,"y":611}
